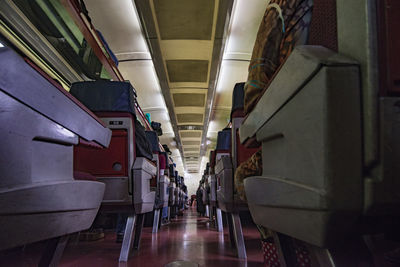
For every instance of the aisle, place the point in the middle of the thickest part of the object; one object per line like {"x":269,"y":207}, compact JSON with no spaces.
{"x":187,"y":238}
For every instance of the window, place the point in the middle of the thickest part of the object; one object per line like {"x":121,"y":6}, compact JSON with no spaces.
{"x":54,"y":22}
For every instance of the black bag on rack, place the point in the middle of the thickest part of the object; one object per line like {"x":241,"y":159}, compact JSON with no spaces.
{"x":143,"y":146}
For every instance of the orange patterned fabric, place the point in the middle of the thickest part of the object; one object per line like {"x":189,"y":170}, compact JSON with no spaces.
{"x":251,"y":167}
{"x":285,"y":24}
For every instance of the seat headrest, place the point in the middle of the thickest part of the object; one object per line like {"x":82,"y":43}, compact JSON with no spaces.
{"x":224,"y":140}
{"x":153,"y":139}
{"x":105,"y":96}
{"x":237,"y":98}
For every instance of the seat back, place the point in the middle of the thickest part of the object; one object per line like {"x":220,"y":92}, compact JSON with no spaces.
{"x":172,"y":186}
{"x":152,"y":137}
{"x":112,"y":102}
{"x":223,"y":147}
{"x":164,"y":179}
{"x":39,"y":198}
{"x":323,"y":27}
{"x":212,"y":162}
{"x":110,"y":162}
{"x":240,"y":153}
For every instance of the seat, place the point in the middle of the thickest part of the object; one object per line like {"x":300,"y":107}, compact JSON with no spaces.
{"x":126,"y":167}
{"x":174,"y":193}
{"x":40,"y":125}
{"x":171,"y":189}
{"x":164,"y":179}
{"x":313,"y":186}
{"x":180,"y":192}
{"x":229,"y":154}
{"x":160,"y":181}
{"x":225,"y":194}
{"x":215,"y":211}
{"x":301,"y":153}
{"x":310,"y":148}
{"x":177,"y":190}
{"x":238,"y":154}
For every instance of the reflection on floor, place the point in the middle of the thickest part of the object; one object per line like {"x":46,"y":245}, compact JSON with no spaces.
{"x":187,"y":238}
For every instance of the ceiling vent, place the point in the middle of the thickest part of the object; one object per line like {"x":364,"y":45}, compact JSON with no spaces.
{"x":191,"y":155}
{"x":191,"y":143}
{"x":189,"y":100}
{"x":187,"y":71}
{"x":191,"y":149}
{"x":190,"y":118}
{"x":192,"y":159}
{"x":190,"y":134}
{"x":185,"y":19}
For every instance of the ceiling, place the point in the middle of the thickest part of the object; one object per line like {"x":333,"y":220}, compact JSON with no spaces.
{"x":183,"y":57}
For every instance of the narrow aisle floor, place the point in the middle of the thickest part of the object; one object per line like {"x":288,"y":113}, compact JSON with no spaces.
{"x":189,"y":238}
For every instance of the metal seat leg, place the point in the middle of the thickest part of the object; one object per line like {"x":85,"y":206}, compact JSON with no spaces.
{"x":230,"y":227}
{"x":138,"y":231}
{"x":211,"y":217}
{"x":53,"y":252}
{"x":218,"y":215}
{"x":238,"y":234}
{"x":156,"y":220}
{"x":127,"y":242}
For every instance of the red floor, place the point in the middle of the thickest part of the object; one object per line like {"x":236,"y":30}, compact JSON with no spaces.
{"x":187,"y":238}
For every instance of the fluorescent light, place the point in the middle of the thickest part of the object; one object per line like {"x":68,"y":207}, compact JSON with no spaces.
{"x":1,"y":45}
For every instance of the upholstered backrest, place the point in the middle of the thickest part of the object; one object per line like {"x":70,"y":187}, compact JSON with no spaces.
{"x":163,"y":160}
{"x":152,"y":137}
{"x":238,"y":101}
{"x":224,"y":140}
{"x":323,"y":28}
